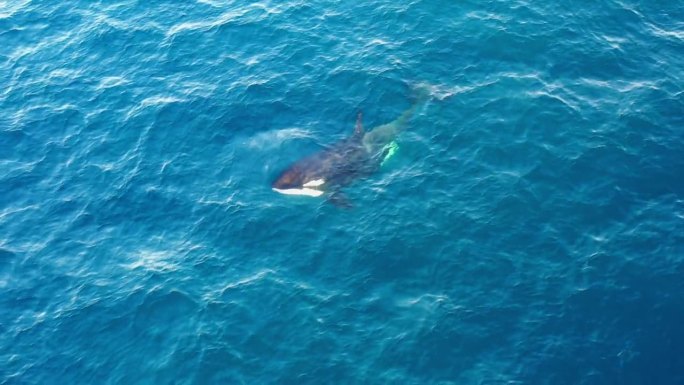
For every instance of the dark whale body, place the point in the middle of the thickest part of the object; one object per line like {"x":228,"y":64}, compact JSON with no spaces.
{"x":355,"y":157}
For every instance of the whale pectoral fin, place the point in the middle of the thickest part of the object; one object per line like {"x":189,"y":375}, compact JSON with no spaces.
{"x":340,"y":200}
{"x":359,"y":127}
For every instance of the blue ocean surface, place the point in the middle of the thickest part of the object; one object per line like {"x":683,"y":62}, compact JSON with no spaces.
{"x":529,"y":229}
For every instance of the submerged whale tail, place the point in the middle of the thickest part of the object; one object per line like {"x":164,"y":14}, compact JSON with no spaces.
{"x":383,"y":135}
{"x":420,"y":96}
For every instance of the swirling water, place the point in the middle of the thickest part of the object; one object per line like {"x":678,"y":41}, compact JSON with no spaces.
{"x":530,"y":230}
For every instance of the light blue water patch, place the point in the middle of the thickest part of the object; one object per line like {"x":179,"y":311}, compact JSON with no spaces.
{"x":529,"y":230}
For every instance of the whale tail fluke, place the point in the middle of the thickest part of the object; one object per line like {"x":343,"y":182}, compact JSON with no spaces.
{"x":420,"y":96}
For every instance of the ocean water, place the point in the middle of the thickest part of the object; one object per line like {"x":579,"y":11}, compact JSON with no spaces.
{"x":530,"y":229}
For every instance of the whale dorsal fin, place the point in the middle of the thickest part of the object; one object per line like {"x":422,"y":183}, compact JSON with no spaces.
{"x":358,"y":130}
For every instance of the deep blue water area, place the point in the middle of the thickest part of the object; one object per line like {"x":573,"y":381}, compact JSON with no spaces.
{"x":529,"y":230}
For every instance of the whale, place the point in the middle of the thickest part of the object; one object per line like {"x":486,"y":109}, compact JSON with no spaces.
{"x":358,"y":156}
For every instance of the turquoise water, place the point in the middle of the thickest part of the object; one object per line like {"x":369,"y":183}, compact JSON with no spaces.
{"x":529,"y":230}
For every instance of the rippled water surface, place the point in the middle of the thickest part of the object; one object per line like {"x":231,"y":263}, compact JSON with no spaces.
{"x":530,"y":229}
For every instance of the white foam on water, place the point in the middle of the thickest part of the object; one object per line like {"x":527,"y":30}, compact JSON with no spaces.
{"x":274,"y":138}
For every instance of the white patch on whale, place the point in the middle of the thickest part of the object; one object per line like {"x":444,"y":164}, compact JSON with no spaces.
{"x":297,"y":191}
{"x":314,"y":183}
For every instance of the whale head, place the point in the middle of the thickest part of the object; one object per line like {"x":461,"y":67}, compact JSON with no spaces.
{"x":294,"y":181}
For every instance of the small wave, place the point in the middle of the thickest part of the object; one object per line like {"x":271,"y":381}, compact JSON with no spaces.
{"x":665,"y":33}
{"x":427,"y":301}
{"x":444,"y":91}
{"x":112,"y":81}
{"x":9,"y":8}
{"x":249,"y":279}
{"x":620,"y":85}
{"x":158,"y":261}
{"x":218,"y":291}
{"x":485,"y":16}
{"x":192,"y":26}
{"x":152,"y":101}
